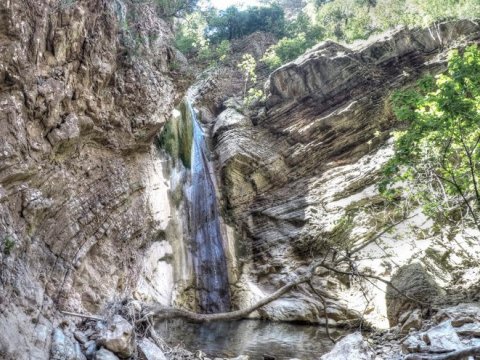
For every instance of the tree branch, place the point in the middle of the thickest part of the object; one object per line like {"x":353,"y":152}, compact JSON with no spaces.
{"x":456,"y":355}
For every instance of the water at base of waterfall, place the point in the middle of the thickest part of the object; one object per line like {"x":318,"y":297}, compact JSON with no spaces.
{"x":254,"y":338}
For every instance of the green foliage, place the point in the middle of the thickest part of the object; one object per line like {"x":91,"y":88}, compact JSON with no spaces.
{"x":248,"y":66}
{"x":233,"y":23}
{"x":350,"y":20}
{"x":438,"y":151}
{"x":222,"y":51}
{"x":176,"y":137}
{"x":303,"y":35}
{"x":346,"y":20}
{"x":175,"y":8}
{"x":190,"y":36}
{"x":8,"y":245}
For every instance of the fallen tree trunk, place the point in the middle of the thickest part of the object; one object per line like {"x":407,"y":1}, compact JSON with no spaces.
{"x":455,"y":355}
{"x":165,"y":313}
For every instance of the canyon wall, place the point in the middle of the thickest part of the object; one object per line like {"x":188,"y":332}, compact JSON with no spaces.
{"x":299,"y":175}
{"x":84,"y":88}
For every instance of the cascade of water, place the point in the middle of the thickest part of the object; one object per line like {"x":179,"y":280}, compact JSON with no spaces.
{"x":207,"y":244}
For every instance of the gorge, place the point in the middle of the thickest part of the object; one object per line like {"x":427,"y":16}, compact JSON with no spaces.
{"x":134,"y":182}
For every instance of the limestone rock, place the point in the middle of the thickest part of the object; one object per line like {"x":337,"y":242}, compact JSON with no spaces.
{"x":65,"y":348}
{"x":310,"y":159}
{"x":413,"y":281}
{"x":149,"y":351}
{"x":118,"y":337}
{"x":78,"y":122}
{"x":104,"y":354}
{"x":350,"y":347}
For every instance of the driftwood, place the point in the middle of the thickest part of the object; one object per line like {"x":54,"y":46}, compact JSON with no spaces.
{"x":454,"y":355}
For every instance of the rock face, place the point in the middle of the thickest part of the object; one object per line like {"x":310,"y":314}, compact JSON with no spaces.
{"x":299,"y":175}
{"x":414,"y":283}
{"x":79,"y":107}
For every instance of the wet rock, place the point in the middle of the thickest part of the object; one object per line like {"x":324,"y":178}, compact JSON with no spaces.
{"x":413,"y":281}
{"x":104,"y":354}
{"x":149,"y":351}
{"x":64,"y":348}
{"x":350,"y":347}
{"x":414,"y":321}
{"x":118,"y":337}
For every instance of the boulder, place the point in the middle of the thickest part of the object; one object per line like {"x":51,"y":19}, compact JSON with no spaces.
{"x":149,"y":351}
{"x":415,"y":282}
{"x":118,"y":337}
{"x":65,"y":348}
{"x":350,"y":347}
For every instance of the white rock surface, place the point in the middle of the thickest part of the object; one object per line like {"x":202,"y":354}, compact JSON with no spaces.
{"x":351,"y":347}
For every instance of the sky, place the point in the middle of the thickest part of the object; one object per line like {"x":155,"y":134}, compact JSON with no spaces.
{"x":223,"y":4}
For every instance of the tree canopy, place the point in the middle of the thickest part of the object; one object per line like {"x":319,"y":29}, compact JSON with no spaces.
{"x":438,"y":151}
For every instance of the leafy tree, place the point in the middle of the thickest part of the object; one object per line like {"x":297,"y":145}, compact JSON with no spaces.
{"x":175,"y":8}
{"x":439,"y":150}
{"x":233,"y":23}
{"x":303,"y":35}
{"x":248,"y":66}
{"x":190,"y":35}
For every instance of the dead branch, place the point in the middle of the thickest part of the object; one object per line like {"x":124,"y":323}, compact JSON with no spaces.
{"x":90,"y":317}
{"x":389,"y":283}
{"x":455,"y":355}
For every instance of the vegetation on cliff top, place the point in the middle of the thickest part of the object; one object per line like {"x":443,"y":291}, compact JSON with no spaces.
{"x":203,"y":32}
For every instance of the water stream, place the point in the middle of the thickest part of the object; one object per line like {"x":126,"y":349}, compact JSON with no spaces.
{"x":207,"y":244}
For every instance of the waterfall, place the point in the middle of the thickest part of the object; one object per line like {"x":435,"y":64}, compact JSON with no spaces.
{"x":207,"y":244}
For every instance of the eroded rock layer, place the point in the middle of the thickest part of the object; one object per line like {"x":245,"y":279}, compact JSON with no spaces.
{"x":300,"y":176}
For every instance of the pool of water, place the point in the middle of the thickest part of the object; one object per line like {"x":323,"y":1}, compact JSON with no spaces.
{"x":249,"y":337}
